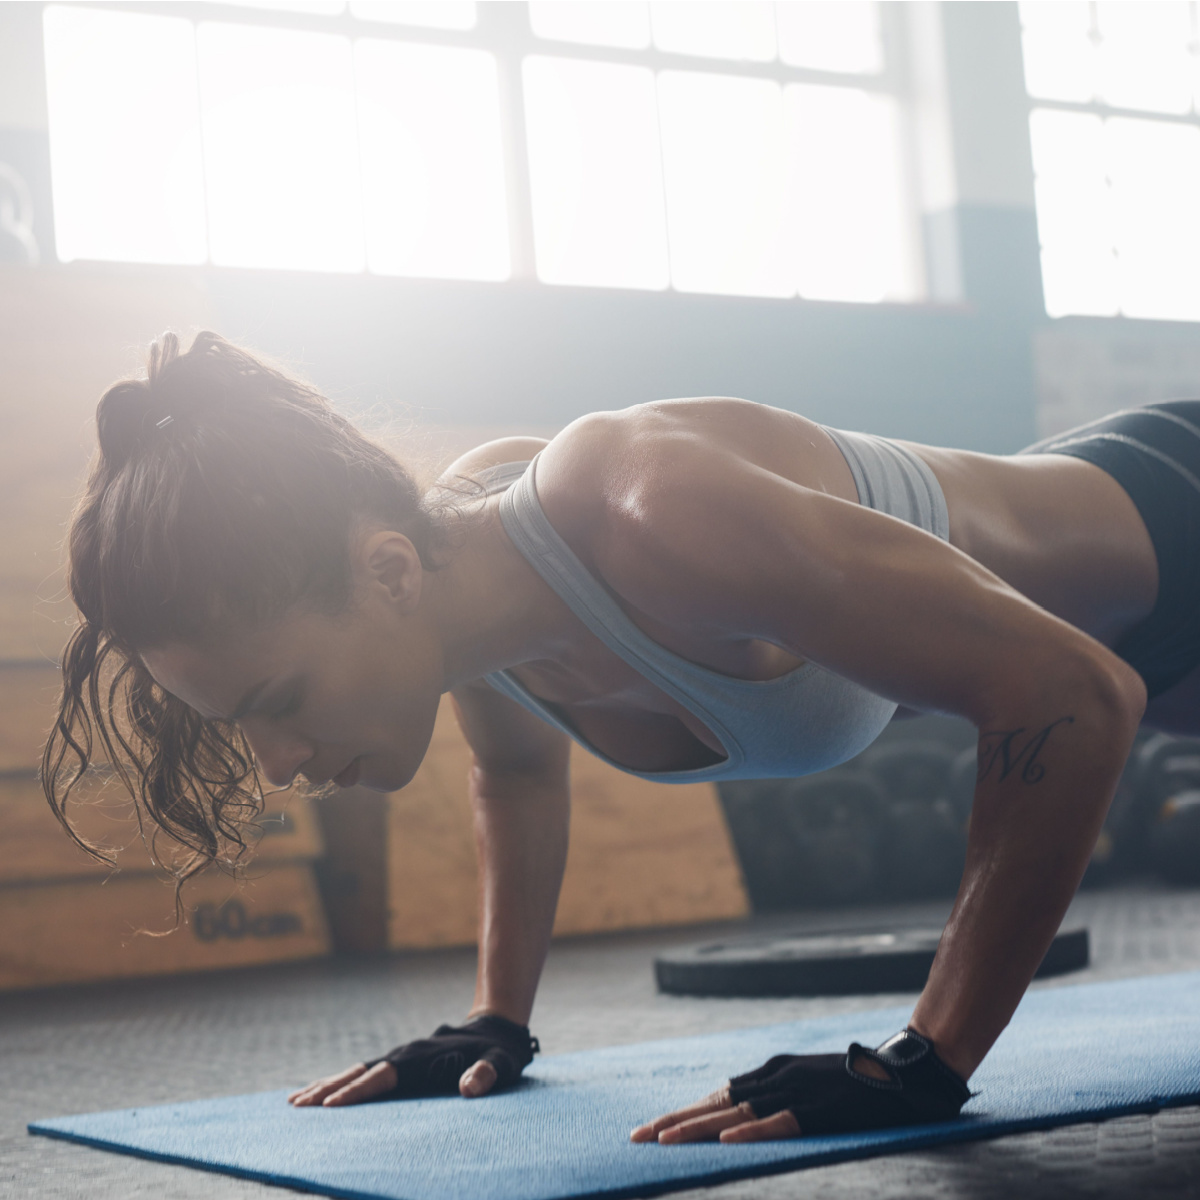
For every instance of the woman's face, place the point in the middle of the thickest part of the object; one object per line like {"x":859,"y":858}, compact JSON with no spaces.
{"x":350,"y":698}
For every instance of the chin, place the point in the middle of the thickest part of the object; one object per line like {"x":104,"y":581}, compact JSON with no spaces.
{"x":386,"y":780}
{"x":373,"y":785}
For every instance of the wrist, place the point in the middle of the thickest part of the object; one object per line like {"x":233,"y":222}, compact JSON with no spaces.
{"x":927,"y":1088}
{"x":957,"y":1057}
{"x":491,"y":1010}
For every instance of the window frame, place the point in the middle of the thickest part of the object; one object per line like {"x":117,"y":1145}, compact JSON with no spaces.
{"x":1106,"y":111}
{"x":503,"y":29}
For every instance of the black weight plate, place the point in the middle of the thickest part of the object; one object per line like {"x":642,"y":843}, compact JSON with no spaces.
{"x":828,"y":964}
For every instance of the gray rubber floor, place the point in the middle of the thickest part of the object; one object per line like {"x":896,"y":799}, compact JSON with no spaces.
{"x":147,"y":1042}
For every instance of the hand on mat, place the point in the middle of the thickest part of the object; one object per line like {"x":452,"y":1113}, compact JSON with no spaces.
{"x":485,"y":1054}
{"x":903,"y":1082}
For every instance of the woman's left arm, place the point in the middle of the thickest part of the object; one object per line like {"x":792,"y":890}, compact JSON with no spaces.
{"x":727,"y":547}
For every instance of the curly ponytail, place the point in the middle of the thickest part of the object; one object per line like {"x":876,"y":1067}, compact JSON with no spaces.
{"x":223,"y":492}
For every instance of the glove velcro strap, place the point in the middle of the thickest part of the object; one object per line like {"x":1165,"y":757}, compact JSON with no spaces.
{"x":514,"y":1038}
{"x":826,"y":1094}
{"x":914,"y":1069}
{"x":433,"y":1066}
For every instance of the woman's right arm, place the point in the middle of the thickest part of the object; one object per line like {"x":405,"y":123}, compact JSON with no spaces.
{"x":521,"y":801}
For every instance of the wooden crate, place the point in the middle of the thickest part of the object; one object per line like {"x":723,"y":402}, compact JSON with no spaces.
{"x":89,"y":930}
{"x":642,"y":854}
{"x":69,"y":332}
{"x":28,"y":707}
{"x":33,"y":845}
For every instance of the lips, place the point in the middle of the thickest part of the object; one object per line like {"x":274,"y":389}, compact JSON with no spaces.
{"x":349,"y":777}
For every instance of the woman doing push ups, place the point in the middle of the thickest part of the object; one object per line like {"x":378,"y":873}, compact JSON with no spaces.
{"x":696,"y":589}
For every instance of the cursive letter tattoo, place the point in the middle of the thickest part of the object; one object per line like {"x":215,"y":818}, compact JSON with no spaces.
{"x":1001,"y":747}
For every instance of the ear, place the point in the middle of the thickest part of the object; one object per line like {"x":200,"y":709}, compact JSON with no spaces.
{"x":388,"y":559}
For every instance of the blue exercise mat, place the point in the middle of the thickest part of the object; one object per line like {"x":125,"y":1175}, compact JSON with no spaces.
{"x":1070,"y":1054}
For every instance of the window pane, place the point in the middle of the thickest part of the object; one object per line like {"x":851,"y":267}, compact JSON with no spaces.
{"x":831,"y":36}
{"x":1079,"y":269}
{"x":124,"y":137}
{"x":1155,"y":172}
{"x":724,"y":166}
{"x":712,"y":30}
{"x":432,"y":165}
{"x":436,"y":14}
{"x":595,"y":174}
{"x":848,"y":207}
{"x":1060,"y":56}
{"x":1145,"y":60}
{"x":280,"y":152}
{"x":617,"y":23}
{"x":320,"y":8}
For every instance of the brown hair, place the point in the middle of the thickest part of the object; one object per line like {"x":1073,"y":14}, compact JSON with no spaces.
{"x":223,"y":492}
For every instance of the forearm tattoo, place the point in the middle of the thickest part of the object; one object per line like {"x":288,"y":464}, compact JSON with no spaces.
{"x":1010,"y":751}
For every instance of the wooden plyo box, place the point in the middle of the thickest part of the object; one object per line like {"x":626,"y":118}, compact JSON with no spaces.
{"x":69,"y":332}
{"x":642,"y":854}
{"x":66,"y":918}
{"x":28,"y":708}
{"x":34,"y":846}
{"x":87,"y":929}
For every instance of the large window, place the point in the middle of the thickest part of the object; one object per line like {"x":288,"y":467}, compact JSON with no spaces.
{"x":1115,"y":129}
{"x":737,"y":148}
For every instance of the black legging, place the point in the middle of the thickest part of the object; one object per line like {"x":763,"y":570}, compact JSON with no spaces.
{"x":1153,"y":452}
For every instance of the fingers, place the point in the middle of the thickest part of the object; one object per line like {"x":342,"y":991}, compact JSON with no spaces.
{"x":650,"y":1132}
{"x":702,"y":1129}
{"x":315,"y":1092}
{"x":478,"y":1079}
{"x":778,"y":1125}
{"x":352,"y":1086}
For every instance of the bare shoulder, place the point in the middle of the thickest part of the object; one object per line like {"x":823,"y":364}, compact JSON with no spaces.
{"x":659,"y":501}
{"x":603,"y":469}
{"x":493,"y":454}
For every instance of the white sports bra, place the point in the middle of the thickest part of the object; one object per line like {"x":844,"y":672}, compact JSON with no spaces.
{"x":795,"y":724}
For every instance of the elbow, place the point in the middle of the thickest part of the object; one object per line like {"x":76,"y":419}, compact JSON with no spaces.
{"x":1118,"y":690}
{"x":1080,"y":678}
{"x":1102,"y":688}
{"x":1106,"y":699}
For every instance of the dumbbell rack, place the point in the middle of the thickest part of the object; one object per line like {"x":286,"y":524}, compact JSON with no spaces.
{"x":891,"y":824}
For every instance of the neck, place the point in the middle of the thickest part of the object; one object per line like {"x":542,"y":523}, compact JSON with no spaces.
{"x":490,"y":609}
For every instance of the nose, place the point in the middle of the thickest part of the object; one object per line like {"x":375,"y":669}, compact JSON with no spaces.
{"x":279,"y":754}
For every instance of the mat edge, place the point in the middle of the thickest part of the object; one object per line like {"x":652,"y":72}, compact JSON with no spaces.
{"x":948,"y":1134}
{"x":174,"y":1160}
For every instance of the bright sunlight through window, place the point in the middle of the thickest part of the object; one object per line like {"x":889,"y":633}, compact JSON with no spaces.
{"x":1117,"y":190}
{"x":125,"y":151}
{"x":280,"y":158}
{"x":434,"y":14}
{"x":592,"y":22}
{"x":432,"y":164}
{"x":595,"y":174}
{"x":339,"y":146}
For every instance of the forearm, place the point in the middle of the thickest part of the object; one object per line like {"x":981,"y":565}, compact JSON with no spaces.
{"x":521,"y":827}
{"x":1048,"y":769}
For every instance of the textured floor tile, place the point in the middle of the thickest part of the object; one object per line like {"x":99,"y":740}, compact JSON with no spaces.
{"x":75,"y":1050}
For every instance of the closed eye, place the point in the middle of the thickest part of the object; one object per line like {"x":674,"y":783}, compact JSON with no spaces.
{"x":291,"y":708}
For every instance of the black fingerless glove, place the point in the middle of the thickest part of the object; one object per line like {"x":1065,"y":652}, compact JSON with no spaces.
{"x":433,"y":1066}
{"x":826,"y":1095}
